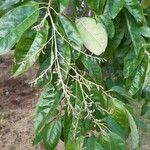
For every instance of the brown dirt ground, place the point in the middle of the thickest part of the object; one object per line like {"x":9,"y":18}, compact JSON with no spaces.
{"x":17,"y":105}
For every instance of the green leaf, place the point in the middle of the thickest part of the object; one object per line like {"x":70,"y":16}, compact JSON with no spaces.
{"x":115,"y":127}
{"x":135,"y":35}
{"x":92,"y":144}
{"x":122,"y":92}
{"x":138,"y":80}
{"x":120,"y":28}
{"x":97,"y":6}
{"x":109,"y":25}
{"x":28,"y":49}
{"x":134,"y":131}
{"x":71,"y":32}
{"x":118,"y":113}
{"x":5,"y":4}
{"x":136,"y":55}
{"x":45,"y":110}
{"x":44,"y":75}
{"x":93,"y":68}
{"x":64,"y":56}
{"x":113,"y":8}
{"x":14,"y":23}
{"x":111,"y":141}
{"x":75,"y":122}
{"x":76,"y":144}
{"x":52,"y":135}
{"x":93,"y":34}
{"x":135,"y":8}
{"x":145,"y":31}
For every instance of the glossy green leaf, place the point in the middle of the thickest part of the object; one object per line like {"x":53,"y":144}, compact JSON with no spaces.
{"x":109,"y":25}
{"x":115,"y":127}
{"x":29,"y":48}
{"x":44,"y":75}
{"x":93,"y":68}
{"x":92,"y":144}
{"x":52,"y":134}
{"x":135,"y":8}
{"x":113,"y":7}
{"x":71,"y":32}
{"x":139,"y":77}
{"x":99,"y":98}
{"x":145,"y":31}
{"x":45,"y":109}
{"x":120,"y":28}
{"x":75,"y":122}
{"x":14,"y":23}
{"x":111,"y":141}
{"x":134,"y":56}
{"x":5,"y":4}
{"x":93,"y":34}
{"x":76,"y":144}
{"x":64,"y":56}
{"x":119,"y":113}
{"x":97,"y":5}
{"x":122,"y":92}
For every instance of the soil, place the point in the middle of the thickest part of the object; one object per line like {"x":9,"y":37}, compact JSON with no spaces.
{"x":17,"y":105}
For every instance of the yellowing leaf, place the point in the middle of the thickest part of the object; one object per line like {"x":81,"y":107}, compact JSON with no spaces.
{"x":93,"y":34}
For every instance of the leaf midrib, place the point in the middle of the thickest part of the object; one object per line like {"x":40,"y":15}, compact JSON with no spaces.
{"x":91,"y":34}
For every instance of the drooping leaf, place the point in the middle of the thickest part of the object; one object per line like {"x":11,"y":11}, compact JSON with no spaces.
{"x":76,"y":144}
{"x":112,"y":141}
{"x":71,"y":32}
{"x":122,"y":92}
{"x":134,"y":56}
{"x":14,"y":23}
{"x":93,"y":34}
{"x":5,"y":4}
{"x":45,"y":110}
{"x":145,"y":31}
{"x":109,"y":25}
{"x":93,"y":69}
{"x":97,"y":5}
{"x":120,"y":28}
{"x":115,"y":127}
{"x":75,"y":122}
{"x":92,"y":144}
{"x":52,"y":134}
{"x":28,"y":49}
{"x":119,"y":114}
{"x":135,"y":8}
{"x":64,"y":55}
{"x":113,"y":7}
{"x":138,"y":80}
{"x":44,"y":74}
